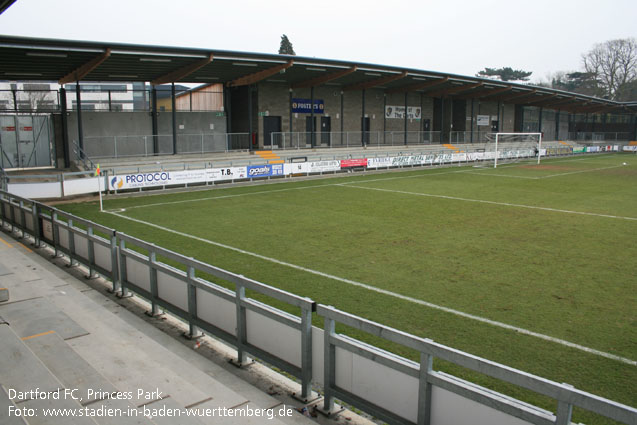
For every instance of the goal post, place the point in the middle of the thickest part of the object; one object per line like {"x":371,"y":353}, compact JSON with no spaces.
{"x":513,"y":147}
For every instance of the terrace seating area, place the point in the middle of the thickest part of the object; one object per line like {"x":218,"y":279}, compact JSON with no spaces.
{"x":126,"y":165}
{"x":68,"y":344}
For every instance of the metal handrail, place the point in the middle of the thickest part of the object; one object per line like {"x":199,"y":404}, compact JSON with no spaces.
{"x":566,"y":395}
{"x":82,"y":156}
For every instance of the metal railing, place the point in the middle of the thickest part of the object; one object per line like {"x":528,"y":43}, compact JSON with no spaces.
{"x":337,"y":139}
{"x":167,"y":286}
{"x":82,"y":157}
{"x":600,"y":137}
{"x":145,"y":145}
{"x":183,"y":288}
{"x":566,"y":396}
{"x":468,"y":136}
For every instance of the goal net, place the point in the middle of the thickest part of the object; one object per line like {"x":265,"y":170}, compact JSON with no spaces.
{"x":502,"y":148}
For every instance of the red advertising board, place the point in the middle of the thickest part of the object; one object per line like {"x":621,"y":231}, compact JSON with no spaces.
{"x":345,"y":163}
{"x":27,"y":129}
{"x":8,"y":128}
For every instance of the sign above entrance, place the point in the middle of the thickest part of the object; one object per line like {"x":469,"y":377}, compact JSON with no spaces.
{"x":304,"y":106}
{"x":413,"y":112}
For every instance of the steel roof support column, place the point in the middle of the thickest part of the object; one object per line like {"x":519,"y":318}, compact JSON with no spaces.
{"x":153,"y":114}
{"x":472,"y":115}
{"x":500,"y":106}
{"x":250,"y":129}
{"x":405,"y":123}
{"x":540,"y":121}
{"x":450,"y":119}
{"x":291,"y":128}
{"x":442,"y":120}
{"x":312,"y":126}
{"x":65,"y":126}
{"x":384,"y":117}
{"x":363,"y":119}
{"x":557,"y":124}
{"x":342,"y":117}
{"x":422,"y":119}
{"x":227,"y":109}
{"x":174,"y":116}
{"x":80,"y":133}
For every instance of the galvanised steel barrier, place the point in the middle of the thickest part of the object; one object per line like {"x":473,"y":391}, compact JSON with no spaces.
{"x":424,"y":379}
{"x":192,"y":298}
{"x":184,"y":294}
{"x":337,"y":139}
{"x":388,"y":386}
{"x":97,"y":147}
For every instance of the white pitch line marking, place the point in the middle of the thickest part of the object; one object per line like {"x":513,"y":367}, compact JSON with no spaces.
{"x":482,"y":201}
{"x":326,"y":185}
{"x":265,"y":192}
{"x":391,"y":294}
{"x":580,"y":171}
{"x":500,"y":175}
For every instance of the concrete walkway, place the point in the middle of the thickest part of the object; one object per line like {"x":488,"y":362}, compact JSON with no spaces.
{"x":64,"y":334}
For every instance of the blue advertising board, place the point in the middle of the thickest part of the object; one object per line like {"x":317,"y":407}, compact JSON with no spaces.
{"x":265,"y":170}
{"x":303,"y":106}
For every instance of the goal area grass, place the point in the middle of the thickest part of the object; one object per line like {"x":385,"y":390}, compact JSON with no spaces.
{"x":532,"y":266}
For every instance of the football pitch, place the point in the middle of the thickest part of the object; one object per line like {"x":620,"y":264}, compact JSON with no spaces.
{"x":533,"y":266}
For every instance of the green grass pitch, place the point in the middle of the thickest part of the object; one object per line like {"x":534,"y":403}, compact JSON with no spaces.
{"x":548,"y":249}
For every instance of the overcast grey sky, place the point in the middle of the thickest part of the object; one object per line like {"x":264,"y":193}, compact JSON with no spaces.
{"x":461,"y":37}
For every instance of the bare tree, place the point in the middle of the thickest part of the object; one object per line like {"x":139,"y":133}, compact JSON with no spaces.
{"x":613,"y":65}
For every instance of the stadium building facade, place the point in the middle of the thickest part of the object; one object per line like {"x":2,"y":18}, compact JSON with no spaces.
{"x":249,"y":101}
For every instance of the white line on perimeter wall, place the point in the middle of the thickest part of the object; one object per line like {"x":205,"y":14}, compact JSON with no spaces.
{"x":391,"y":294}
{"x":481,"y":201}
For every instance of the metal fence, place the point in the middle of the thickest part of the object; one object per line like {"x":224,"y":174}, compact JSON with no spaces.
{"x":144,"y":145}
{"x":107,"y":97}
{"x":468,"y":136}
{"x":390,"y":387}
{"x":600,"y":137}
{"x":337,"y":139}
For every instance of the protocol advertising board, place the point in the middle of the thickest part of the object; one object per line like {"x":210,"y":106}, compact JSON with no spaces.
{"x":167,"y":178}
{"x":132,"y":181}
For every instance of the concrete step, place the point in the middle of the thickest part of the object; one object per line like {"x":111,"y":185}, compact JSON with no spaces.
{"x":26,"y":377}
{"x":89,"y":386}
{"x":35,"y":316}
{"x":20,"y":369}
{"x":7,"y":416}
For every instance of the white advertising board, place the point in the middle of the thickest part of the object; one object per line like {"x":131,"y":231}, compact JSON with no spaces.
{"x":380,"y":162}
{"x":323,"y":166}
{"x":483,"y":120}
{"x":168,"y":178}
